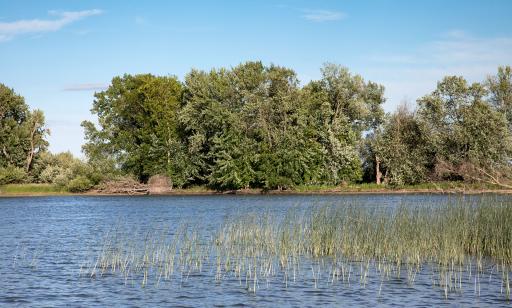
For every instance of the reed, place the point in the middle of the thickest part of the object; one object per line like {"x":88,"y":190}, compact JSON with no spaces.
{"x":455,"y":242}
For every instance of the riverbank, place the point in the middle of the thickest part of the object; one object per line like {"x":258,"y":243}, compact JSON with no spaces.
{"x":28,"y":190}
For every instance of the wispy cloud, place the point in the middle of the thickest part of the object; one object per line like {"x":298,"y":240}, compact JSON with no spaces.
{"x":9,"y":30}
{"x":415,"y":73}
{"x":454,"y":50}
{"x":323,"y":15}
{"x":86,"y":87}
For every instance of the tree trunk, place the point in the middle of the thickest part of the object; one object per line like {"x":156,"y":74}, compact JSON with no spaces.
{"x":378,"y":174}
{"x":7,"y":156}
{"x":30,"y":155}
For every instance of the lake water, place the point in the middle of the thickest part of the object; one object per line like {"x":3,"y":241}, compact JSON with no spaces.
{"x":45,"y":242}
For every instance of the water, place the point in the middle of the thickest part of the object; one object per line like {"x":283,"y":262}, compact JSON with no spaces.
{"x":44,"y":242}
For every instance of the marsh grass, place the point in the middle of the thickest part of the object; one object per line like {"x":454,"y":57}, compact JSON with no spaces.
{"x":326,"y":245}
{"x":31,"y":189}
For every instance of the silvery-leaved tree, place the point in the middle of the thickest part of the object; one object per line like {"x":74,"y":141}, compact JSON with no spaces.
{"x":467,"y":132}
{"x":22,"y":132}
{"x":500,"y":90}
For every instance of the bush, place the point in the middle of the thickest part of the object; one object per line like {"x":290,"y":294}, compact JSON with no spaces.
{"x":79,"y":184}
{"x":49,"y":174}
{"x":63,"y":177}
{"x":12,"y":175}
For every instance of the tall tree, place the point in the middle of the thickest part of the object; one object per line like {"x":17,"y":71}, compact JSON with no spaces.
{"x":22,"y":132}
{"x":138,"y":123}
{"x":247,"y":126}
{"x":205,"y":117}
{"x":468,"y":136}
{"x":500,"y":88}
{"x":400,"y":149}
{"x":346,"y":107}
{"x":36,"y":133}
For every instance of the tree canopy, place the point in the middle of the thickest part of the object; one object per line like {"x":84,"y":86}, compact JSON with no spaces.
{"x":460,"y":131}
{"x":248,"y":126}
{"x":258,"y":126}
{"x":137,"y":118}
{"x":22,"y":132}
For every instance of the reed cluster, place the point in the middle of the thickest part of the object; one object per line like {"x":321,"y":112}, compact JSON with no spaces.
{"x":455,"y":243}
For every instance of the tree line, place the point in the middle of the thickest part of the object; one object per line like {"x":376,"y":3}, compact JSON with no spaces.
{"x":256,"y":126}
{"x":24,"y":155}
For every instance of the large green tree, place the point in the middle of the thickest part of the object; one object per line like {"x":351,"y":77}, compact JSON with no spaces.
{"x":459,"y":132}
{"x":22,"y":132}
{"x":469,"y":137}
{"x":253,"y":125}
{"x":500,"y":89}
{"x":343,"y":107}
{"x":138,"y":127}
{"x":239,"y":124}
{"x":400,"y":149}
{"x":247,"y":126}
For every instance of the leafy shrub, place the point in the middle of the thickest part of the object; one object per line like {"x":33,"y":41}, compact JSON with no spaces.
{"x":63,"y":177}
{"x":49,"y":174}
{"x":12,"y":175}
{"x":79,"y":184}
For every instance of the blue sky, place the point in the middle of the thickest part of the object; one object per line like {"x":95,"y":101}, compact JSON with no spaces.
{"x":58,"y":53}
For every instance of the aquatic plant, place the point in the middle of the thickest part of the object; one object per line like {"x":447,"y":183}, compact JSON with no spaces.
{"x":455,"y":242}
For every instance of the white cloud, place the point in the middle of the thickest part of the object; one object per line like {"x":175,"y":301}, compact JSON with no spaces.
{"x":416,"y":73}
{"x":9,"y":30}
{"x":86,"y":87}
{"x":323,"y":15}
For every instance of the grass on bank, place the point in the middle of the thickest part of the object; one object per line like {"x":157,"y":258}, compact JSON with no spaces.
{"x":52,"y":189}
{"x":31,"y":189}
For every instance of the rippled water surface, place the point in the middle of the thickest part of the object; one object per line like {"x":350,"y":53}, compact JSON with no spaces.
{"x":45,"y":242}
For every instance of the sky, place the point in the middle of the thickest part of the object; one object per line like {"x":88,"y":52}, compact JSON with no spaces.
{"x":57,"y":54}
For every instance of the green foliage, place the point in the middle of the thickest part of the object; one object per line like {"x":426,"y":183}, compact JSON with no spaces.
{"x":22,"y":132}
{"x":255,"y":126}
{"x":249,"y":126}
{"x":252,"y":126}
{"x":463,"y":128}
{"x":342,"y":107}
{"x":138,"y":127}
{"x":12,"y":175}
{"x":63,"y":169}
{"x":459,"y":132}
{"x":401,"y":147}
{"x":234,"y":165}
{"x":500,"y":88}
{"x":79,"y":184}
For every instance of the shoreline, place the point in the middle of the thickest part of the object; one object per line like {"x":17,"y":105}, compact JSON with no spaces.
{"x":348,"y":191}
